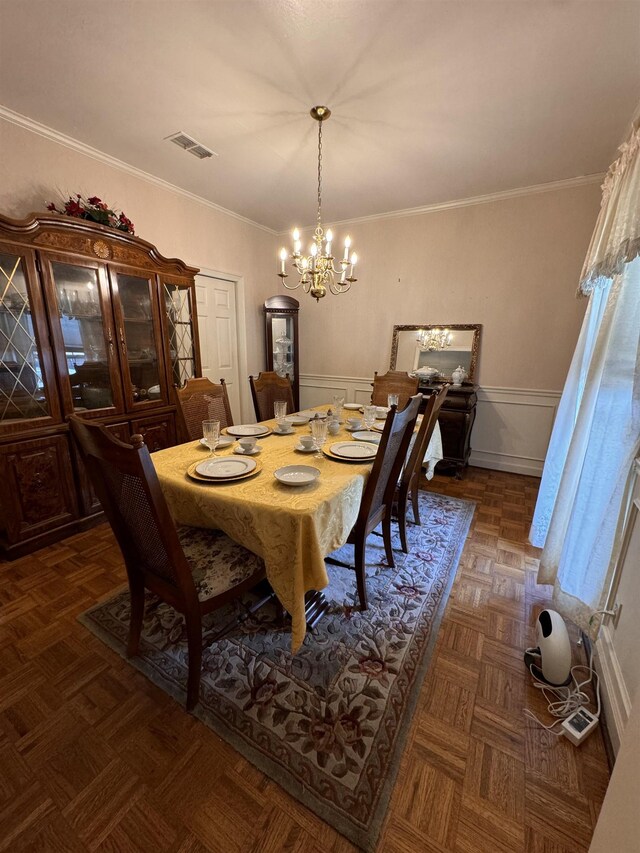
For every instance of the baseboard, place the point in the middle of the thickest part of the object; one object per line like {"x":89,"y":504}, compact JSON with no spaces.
{"x":506,"y":462}
{"x":512,"y":428}
{"x":614,"y":695}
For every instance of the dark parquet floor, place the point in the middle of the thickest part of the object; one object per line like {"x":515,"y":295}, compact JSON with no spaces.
{"x":93,"y":757}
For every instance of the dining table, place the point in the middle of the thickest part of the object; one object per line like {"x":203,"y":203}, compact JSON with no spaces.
{"x":291,"y":527}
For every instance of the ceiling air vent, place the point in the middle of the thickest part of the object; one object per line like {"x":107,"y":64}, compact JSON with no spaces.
{"x":188,"y":144}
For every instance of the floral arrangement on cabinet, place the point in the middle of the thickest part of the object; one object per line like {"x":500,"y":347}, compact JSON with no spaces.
{"x":95,"y":210}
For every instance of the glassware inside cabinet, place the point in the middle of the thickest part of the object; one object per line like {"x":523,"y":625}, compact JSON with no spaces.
{"x":282,"y":332}
{"x":138,"y":338}
{"x":22,"y":387}
{"x":79,"y":310}
{"x":181,"y":343}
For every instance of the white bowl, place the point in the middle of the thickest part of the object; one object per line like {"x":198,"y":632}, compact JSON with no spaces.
{"x":296,"y":475}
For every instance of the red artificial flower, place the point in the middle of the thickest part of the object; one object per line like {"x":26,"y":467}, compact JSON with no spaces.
{"x":51,"y":206}
{"x":94,"y":200}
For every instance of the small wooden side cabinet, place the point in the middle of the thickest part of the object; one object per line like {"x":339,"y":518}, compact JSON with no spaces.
{"x":456,"y":420}
{"x":95,"y":322}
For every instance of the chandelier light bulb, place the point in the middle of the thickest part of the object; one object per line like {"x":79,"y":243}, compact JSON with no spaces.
{"x":316,"y":270}
{"x":354,"y":259}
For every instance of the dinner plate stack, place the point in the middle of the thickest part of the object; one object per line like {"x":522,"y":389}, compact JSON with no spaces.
{"x":223,"y":469}
{"x":352,"y":451}
{"x":248,"y":431}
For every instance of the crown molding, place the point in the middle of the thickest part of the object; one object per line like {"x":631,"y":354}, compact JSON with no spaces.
{"x":95,"y":154}
{"x":535,"y":189}
{"x":81,"y":147}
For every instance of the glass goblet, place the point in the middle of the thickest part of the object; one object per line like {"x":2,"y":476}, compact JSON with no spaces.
{"x":319,"y":433}
{"x":369,"y":416}
{"x":392,"y":400}
{"x":279,"y":409}
{"x":211,"y":435}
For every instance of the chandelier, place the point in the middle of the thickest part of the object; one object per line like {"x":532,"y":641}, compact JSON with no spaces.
{"x":430,"y":340}
{"x":317,"y":270}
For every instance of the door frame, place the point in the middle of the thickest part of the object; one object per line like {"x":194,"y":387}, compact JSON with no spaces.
{"x":246,"y":406}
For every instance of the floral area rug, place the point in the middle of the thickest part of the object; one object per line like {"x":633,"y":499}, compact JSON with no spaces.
{"x":329,"y":723}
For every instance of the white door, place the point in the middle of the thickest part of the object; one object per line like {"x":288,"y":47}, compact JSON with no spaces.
{"x":217,"y":322}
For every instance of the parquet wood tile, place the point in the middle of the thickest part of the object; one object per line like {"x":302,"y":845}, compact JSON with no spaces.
{"x":93,"y":757}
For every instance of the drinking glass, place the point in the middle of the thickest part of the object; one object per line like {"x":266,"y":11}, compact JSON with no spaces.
{"x":338,"y":403}
{"x":211,"y":434}
{"x":392,"y":400}
{"x":369,"y":416}
{"x":280,"y":410}
{"x":319,"y":433}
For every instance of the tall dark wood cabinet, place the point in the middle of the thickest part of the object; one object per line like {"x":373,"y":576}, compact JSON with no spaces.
{"x":456,"y":420}
{"x":281,"y":340}
{"x":96,"y":322}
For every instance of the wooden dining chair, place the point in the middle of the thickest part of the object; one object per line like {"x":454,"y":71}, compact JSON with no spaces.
{"x":266,"y":389}
{"x":377,"y":497}
{"x":393,"y":382}
{"x":200,"y":400}
{"x":193,"y":570}
{"x":410,"y":477}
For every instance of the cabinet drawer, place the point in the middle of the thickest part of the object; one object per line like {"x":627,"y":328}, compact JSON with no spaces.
{"x":158,"y":432}
{"x":37,"y":491}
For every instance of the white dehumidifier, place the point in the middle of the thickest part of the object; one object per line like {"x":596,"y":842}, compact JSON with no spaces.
{"x":550,"y":661}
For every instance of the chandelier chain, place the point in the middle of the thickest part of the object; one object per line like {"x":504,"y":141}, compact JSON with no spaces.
{"x":319,"y":173}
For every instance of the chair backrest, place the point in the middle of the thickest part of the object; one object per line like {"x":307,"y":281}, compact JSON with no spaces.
{"x":394,"y":382}
{"x":429,"y":419}
{"x":126,"y":482}
{"x":268,"y":388}
{"x":391,"y":454}
{"x":200,"y":400}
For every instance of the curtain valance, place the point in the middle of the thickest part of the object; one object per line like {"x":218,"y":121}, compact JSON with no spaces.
{"x":616,"y":239}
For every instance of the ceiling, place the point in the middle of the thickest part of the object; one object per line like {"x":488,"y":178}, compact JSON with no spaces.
{"x":431,"y":101}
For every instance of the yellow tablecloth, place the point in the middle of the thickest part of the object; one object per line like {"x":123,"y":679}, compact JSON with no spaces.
{"x":292,"y":528}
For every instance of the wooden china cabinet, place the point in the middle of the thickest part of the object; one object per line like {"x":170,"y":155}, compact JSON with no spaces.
{"x":95,"y":322}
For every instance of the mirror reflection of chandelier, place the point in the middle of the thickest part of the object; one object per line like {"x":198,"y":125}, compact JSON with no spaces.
{"x":430,"y":340}
{"x":316,"y":270}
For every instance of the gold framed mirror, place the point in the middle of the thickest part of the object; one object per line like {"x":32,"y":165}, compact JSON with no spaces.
{"x":436,"y":351}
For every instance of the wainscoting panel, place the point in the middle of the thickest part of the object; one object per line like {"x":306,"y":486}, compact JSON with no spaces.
{"x":512,"y":428}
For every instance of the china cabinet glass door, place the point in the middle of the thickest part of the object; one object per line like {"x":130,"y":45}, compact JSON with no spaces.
{"x":27,"y":383}
{"x":82,"y":328}
{"x":281,"y":339}
{"x":181,"y":331}
{"x":139,"y":340}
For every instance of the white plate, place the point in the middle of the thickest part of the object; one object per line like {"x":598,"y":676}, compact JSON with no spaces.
{"x":302,"y":449}
{"x":276,"y":431}
{"x":352,"y":407}
{"x":308,"y":414}
{"x":223,"y":467}
{"x":244,"y":430}
{"x":297,"y":420}
{"x":354,"y":450}
{"x":223,"y":441}
{"x":253,"y":452}
{"x":366,"y":435}
{"x":296,"y":475}
{"x":355,"y":429}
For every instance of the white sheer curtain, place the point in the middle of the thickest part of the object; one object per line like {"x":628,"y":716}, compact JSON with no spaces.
{"x":596,"y":435}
